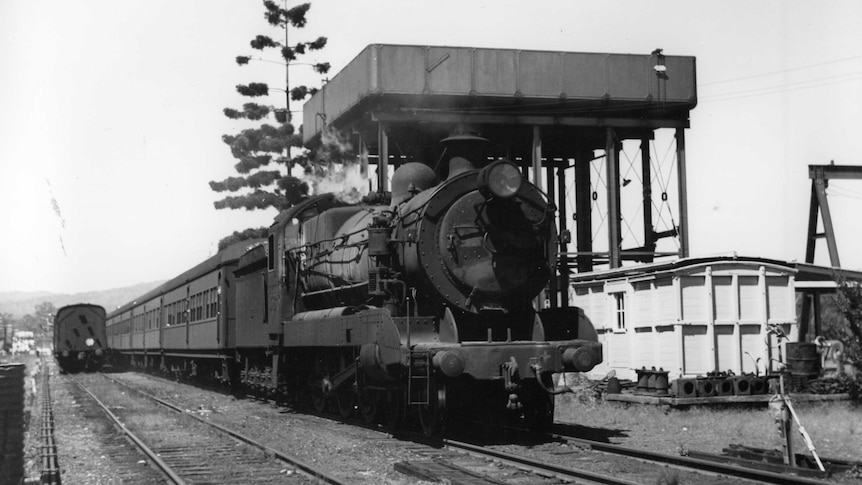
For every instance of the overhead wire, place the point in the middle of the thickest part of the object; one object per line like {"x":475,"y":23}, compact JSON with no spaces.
{"x":839,"y":191}
{"x":775,"y":89}
{"x":781,"y":71}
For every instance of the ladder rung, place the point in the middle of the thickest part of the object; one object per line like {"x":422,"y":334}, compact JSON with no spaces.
{"x":419,"y":381}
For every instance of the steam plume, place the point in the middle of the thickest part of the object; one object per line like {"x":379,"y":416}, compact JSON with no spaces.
{"x":336,"y":169}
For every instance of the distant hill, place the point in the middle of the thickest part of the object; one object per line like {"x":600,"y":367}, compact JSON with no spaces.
{"x":20,"y":303}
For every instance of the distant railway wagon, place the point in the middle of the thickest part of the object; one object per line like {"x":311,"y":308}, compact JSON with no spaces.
{"x":79,"y":337}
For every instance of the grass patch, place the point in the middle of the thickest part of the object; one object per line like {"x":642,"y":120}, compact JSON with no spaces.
{"x":834,"y":427}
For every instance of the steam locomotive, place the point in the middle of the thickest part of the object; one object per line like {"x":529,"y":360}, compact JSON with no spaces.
{"x":418,"y":308}
{"x":79,"y":337}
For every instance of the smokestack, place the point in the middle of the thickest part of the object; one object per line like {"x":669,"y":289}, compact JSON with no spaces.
{"x":463,"y":152}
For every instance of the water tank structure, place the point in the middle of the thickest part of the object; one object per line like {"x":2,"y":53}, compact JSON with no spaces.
{"x":579,"y":125}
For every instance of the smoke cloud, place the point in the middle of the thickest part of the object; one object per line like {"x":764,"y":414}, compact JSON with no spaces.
{"x":335,"y":168}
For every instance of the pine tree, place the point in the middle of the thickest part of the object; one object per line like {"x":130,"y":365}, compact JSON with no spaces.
{"x":265,"y":157}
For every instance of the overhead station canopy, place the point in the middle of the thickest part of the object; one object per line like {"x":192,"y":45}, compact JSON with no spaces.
{"x":392,"y":83}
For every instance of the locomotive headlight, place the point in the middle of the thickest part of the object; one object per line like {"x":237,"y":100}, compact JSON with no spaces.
{"x":500,"y":179}
{"x":90,"y":342}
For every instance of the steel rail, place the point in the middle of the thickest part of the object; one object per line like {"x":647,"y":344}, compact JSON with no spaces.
{"x":536,"y":465}
{"x":50,"y":468}
{"x":152,"y":455}
{"x":693,"y":463}
{"x":296,"y":462}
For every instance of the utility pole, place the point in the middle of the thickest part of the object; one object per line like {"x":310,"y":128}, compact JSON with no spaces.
{"x":48,"y":326}
{"x":287,"y":80}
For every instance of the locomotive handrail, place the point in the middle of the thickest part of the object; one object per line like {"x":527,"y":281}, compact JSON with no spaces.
{"x":321,"y":241}
{"x":537,"y":369}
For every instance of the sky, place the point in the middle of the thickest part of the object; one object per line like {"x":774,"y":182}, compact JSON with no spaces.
{"x":111,"y":116}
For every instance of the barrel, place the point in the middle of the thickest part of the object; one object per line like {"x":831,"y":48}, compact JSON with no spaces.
{"x":803,"y":359}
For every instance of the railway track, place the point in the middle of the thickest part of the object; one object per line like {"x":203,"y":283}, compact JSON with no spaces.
{"x":49,"y":464}
{"x":557,"y":459}
{"x":459,"y":462}
{"x":556,"y":454}
{"x":706,"y":463}
{"x":465,"y":463}
{"x":79,"y":417}
{"x":450,"y":464}
{"x":193,"y":450}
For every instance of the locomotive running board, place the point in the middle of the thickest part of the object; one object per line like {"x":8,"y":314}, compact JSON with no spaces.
{"x":374,"y":326}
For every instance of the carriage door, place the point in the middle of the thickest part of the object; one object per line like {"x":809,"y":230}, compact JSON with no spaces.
{"x":160,"y":322}
{"x":187,"y":316}
{"x":273,"y":285}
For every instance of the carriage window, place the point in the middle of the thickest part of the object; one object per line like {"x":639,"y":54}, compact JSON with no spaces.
{"x":214,"y":303}
{"x":265,"y":300}
{"x":270,"y":252}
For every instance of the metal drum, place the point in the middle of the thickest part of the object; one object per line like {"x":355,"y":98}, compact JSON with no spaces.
{"x":803,"y":359}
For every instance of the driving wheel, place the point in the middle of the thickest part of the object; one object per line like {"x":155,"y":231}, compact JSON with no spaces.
{"x":432,"y":415}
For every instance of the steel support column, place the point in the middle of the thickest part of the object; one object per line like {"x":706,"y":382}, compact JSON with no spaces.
{"x":820,"y":202}
{"x":537,"y":156}
{"x":554,"y":283}
{"x":583,"y":211}
{"x":646,"y":176}
{"x":563,"y":262}
{"x":363,"y":158}
{"x":383,"y":158}
{"x":683,"y":193}
{"x":614,"y":215}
